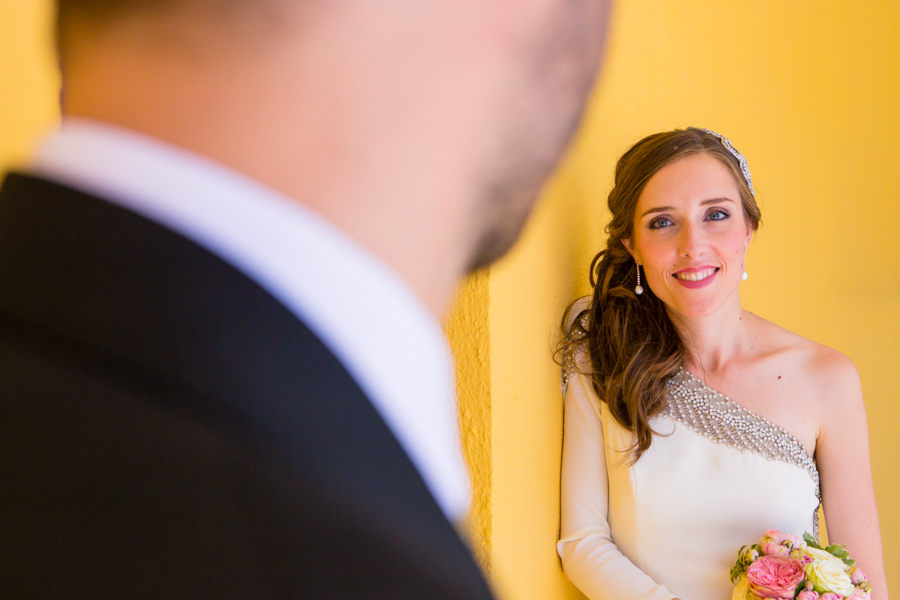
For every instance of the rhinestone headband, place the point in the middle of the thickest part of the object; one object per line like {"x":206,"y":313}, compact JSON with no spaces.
{"x":745,"y":168}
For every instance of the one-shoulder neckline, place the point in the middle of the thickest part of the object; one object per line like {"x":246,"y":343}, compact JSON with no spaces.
{"x":699,"y":382}
{"x":715,"y":416}
{"x":719,"y":419}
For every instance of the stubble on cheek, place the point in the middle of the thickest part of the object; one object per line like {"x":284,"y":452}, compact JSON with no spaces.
{"x":540,"y":114}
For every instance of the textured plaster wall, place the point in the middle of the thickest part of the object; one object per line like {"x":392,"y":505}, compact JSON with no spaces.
{"x":467,"y":329}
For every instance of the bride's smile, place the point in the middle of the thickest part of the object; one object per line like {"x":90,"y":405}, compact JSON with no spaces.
{"x":690,"y":277}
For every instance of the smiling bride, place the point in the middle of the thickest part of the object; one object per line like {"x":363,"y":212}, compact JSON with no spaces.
{"x":692,"y":425}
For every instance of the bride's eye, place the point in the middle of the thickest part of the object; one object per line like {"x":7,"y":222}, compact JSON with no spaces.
{"x":717,"y":215}
{"x":659,"y":223}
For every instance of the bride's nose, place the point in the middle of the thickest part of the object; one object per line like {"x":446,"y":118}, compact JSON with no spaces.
{"x":692,"y":241}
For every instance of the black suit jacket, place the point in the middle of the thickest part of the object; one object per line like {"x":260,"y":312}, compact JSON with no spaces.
{"x":169,"y":430}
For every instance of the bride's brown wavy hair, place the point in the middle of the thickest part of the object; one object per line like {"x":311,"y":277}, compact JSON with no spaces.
{"x":632,"y":344}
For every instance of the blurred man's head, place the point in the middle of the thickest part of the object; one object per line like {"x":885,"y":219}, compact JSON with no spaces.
{"x":423,"y":129}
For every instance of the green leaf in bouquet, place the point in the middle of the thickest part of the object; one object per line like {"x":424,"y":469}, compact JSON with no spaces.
{"x":743,"y":562}
{"x":811,"y":541}
{"x":739,"y":567}
{"x":849,"y":562}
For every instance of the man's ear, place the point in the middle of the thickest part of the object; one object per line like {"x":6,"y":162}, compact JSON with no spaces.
{"x":627,"y":244}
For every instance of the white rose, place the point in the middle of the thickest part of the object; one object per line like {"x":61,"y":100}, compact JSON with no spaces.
{"x":827,"y":573}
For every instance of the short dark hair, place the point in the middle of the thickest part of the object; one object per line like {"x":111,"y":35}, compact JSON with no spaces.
{"x":69,"y":12}
{"x":101,"y":9}
{"x":73,"y":16}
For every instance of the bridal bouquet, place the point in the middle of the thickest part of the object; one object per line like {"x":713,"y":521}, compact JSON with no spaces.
{"x":784,"y":566}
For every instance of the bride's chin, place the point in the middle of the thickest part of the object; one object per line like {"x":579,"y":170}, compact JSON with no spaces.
{"x":693,"y":310}
{"x":695,"y":304}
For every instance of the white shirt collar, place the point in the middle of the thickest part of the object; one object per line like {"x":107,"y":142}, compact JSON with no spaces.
{"x":360,"y":308}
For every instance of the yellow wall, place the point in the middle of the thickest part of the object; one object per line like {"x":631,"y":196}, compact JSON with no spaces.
{"x":468,"y":331}
{"x":807,"y":90}
{"x":28,"y":79}
{"x":810,"y":92}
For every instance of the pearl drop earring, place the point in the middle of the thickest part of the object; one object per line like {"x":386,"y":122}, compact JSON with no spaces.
{"x":745,"y":276}
{"x":638,"y":289}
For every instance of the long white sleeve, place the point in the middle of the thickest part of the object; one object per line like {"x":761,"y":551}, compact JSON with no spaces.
{"x":590,"y":558}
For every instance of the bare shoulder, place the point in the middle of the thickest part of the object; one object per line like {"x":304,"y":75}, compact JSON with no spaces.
{"x":839,"y":393}
{"x":833,"y":369}
{"x":829,"y":375}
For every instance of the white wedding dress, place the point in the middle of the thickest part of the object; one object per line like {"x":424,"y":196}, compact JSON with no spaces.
{"x":671,"y":525}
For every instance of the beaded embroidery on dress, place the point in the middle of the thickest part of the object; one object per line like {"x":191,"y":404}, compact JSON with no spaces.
{"x":569,"y":368}
{"x":569,"y":360}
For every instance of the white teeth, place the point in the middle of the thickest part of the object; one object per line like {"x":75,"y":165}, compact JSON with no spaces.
{"x":695,"y":275}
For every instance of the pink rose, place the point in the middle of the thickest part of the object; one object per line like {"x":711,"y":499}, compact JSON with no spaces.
{"x":777,"y":543}
{"x":775,"y":577}
{"x":808,"y":595}
{"x":775,"y":550}
{"x":857,"y":576}
{"x":831,"y":596}
{"x":863,"y":591}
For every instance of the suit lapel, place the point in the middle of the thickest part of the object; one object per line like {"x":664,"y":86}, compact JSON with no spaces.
{"x":117,"y":286}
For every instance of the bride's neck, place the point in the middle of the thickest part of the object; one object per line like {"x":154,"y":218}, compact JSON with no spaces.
{"x":714,"y":342}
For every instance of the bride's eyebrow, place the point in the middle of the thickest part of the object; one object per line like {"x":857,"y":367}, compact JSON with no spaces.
{"x":716,"y":201}
{"x":660,"y":209}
